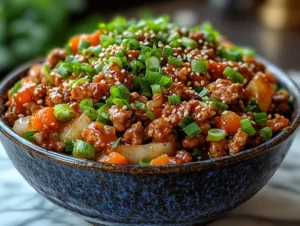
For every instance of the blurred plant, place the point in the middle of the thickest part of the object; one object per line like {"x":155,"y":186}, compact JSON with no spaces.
{"x":28,"y":28}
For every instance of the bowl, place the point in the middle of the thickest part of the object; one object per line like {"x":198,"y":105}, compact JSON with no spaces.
{"x":171,"y":195}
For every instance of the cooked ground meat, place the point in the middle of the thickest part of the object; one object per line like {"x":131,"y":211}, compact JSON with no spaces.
{"x":237,"y":143}
{"x":58,"y":95}
{"x":55,"y":56}
{"x":121,"y":118}
{"x":159,"y":130}
{"x":98,"y":135}
{"x":218,"y":148}
{"x":156,"y":85}
{"x":278,"y":123}
{"x":135,"y":134}
{"x":226,"y":91}
{"x":48,"y":140}
{"x":194,"y":142}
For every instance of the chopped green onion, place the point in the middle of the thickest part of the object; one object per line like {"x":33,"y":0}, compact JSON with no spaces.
{"x":151,"y":115}
{"x":167,"y":51}
{"x":196,"y":154}
{"x":91,"y":113}
{"x":266,"y":133}
{"x":15,"y":88}
{"x":29,"y":135}
{"x":156,"y":89}
{"x":120,"y":91}
{"x":116,"y":60}
{"x":233,"y":75}
{"x":47,"y":72}
{"x":253,"y":106}
{"x":153,"y":75}
{"x":103,"y":115}
{"x":86,"y":103}
{"x":145,"y":162}
{"x":188,"y":42}
{"x":78,"y":81}
{"x":192,"y":129}
{"x":218,"y":104}
{"x":83,"y":149}
{"x":216,"y":135}
{"x":140,"y":105}
{"x":204,"y":92}
{"x":63,"y":70}
{"x":69,"y":146}
{"x":136,"y":82}
{"x":99,"y":67}
{"x":185,"y":121}
{"x":121,"y":102}
{"x":260,"y":118}
{"x":98,"y":105}
{"x":84,"y":44}
{"x":174,"y":61}
{"x":145,"y":87}
{"x":174,"y":99}
{"x":165,"y":81}
{"x":136,"y":66}
{"x":152,"y":62}
{"x":106,"y":40}
{"x":131,"y":43}
{"x":199,"y":66}
{"x":96,"y":50}
{"x":247,"y":127}
{"x":173,"y":36}
{"x":116,"y":143}
{"x":63,"y":112}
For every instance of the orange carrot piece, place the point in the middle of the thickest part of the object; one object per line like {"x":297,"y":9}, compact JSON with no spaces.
{"x":94,"y":39}
{"x":44,"y":119}
{"x":114,"y":158}
{"x":229,"y":122}
{"x":161,"y":160}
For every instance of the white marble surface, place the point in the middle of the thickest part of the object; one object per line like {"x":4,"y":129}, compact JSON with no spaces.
{"x":277,"y":204}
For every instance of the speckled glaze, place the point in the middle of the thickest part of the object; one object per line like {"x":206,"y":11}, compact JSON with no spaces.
{"x":173,"y":195}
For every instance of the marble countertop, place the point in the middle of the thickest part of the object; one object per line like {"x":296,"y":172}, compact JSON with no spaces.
{"x":277,"y":204}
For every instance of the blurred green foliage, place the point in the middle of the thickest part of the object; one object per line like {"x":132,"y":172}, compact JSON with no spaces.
{"x":30,"y":28}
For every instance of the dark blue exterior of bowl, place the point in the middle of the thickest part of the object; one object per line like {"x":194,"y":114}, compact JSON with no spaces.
{"x":188,"y":194}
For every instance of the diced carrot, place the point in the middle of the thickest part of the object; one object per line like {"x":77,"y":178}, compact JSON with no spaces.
{"x":114,"y":158}
{"x":74,"y":42}
{"x":161,"y":160}
{"x":23,"y":95}
{"x":94,"y":39}
{"x":44,"y":119}
{"x":229,"y":122}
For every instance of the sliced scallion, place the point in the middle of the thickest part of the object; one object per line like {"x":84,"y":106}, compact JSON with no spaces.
{"x":63,"y":112}
{"x":29,"y":136}
{"x":188,"y":42}
{"x":216,"y":135}
{"x":15,"y":88}
{"x":192,"y":129}
{"x":174,"y":99}
{"x":199,"y":66}
{"x":83,"y":149}
{"x":260,"y":118}
{"x":266,"y":133}
{"x":116,"y":143}
{"x":247,"y":127}
{"x":233,"y":75}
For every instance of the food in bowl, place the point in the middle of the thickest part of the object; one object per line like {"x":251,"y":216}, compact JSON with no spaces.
{"x":149,"y":93}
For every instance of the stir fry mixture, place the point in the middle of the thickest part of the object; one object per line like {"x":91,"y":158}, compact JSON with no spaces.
{"x":148,"y":92}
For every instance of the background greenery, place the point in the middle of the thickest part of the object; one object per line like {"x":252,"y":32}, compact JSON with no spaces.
{"x":30,"y":28}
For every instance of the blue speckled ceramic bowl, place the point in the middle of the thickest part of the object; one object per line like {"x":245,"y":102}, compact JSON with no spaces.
{"x":118,"y":195}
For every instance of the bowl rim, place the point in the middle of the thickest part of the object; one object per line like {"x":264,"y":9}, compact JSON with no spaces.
{"x":162,"y":169}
